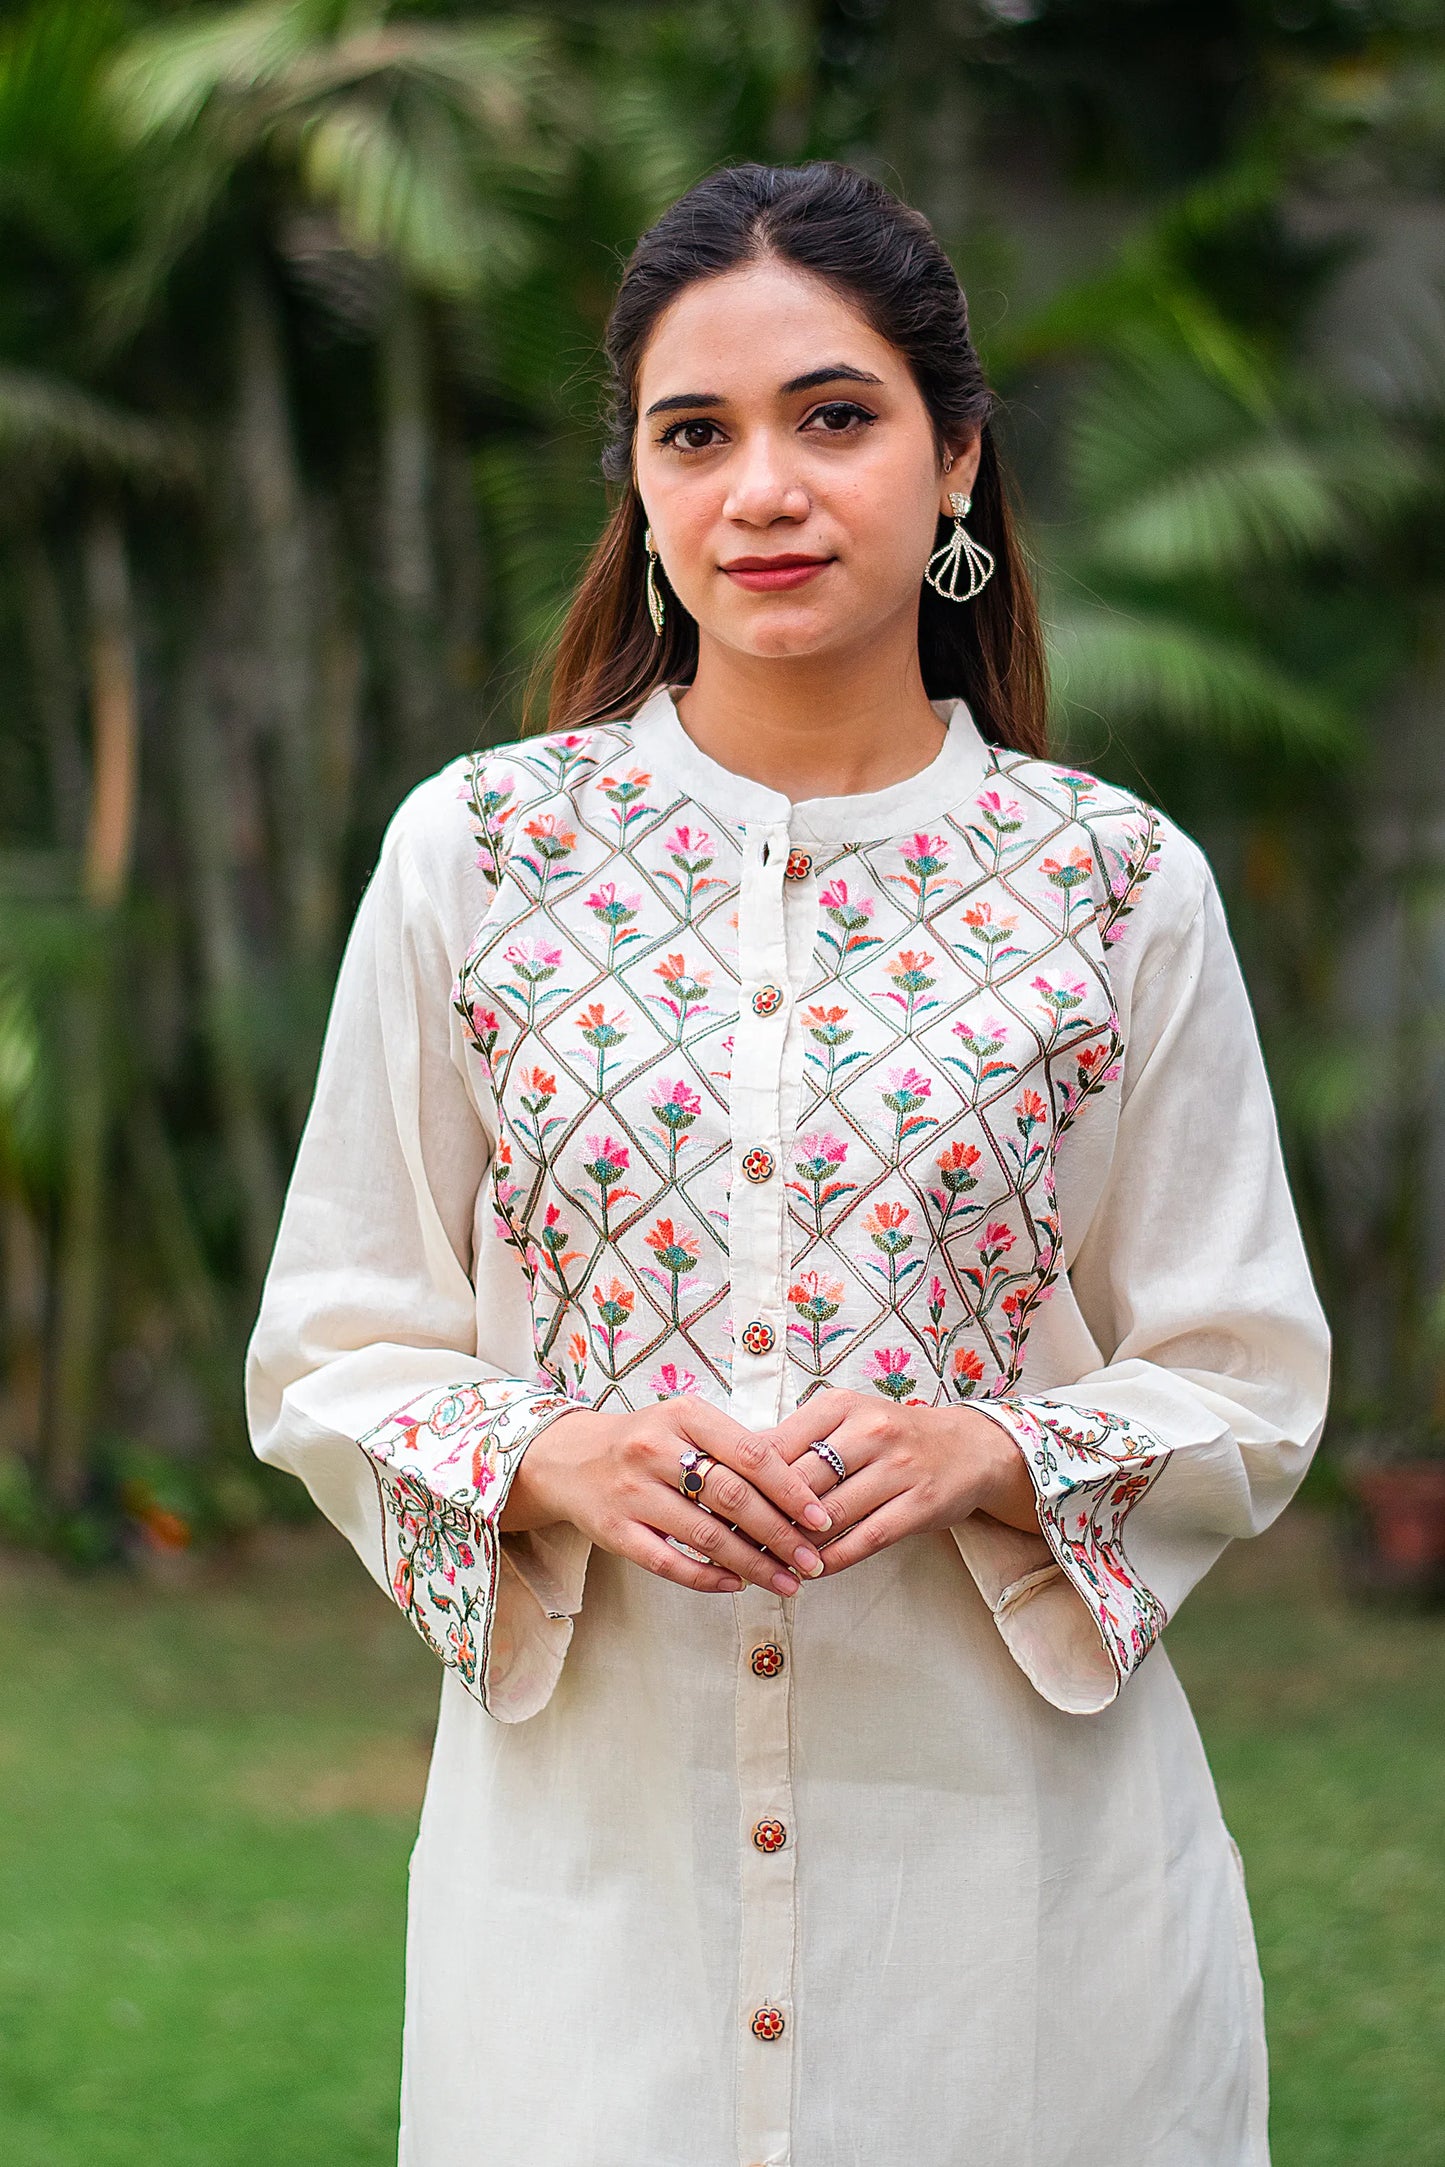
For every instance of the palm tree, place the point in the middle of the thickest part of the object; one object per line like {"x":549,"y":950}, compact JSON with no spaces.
{"x":416,"y":151}
{"x":55,"y":440}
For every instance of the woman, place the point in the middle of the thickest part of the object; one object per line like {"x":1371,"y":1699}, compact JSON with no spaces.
{"x":790,"y":1158}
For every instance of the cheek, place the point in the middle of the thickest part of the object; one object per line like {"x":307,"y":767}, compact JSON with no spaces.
{"x":889,"y":524}
{"x":685,"y":511}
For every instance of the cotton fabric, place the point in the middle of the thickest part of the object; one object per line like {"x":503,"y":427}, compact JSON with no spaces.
{"x":642,"y":1081}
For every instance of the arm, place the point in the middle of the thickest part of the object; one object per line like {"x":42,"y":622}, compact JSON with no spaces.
{"x":365,"y":1377}
{"x":1199,"y":1421}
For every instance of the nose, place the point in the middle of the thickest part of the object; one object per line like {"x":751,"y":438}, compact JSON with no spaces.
{"x":763,"y":483}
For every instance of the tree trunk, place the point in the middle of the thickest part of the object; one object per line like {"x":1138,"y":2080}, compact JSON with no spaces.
{"x":109,"y":846}
{"x":340,"y":686}
{"x":114,"y":713}
{"x":464,"y":579}
{"x":183,"y":1261}
{"x":409,"y":561}
{"x":55,"y":686}
{"x":206,"y":800}
{"x":275,"y":508}
{"x":26,"y":1301}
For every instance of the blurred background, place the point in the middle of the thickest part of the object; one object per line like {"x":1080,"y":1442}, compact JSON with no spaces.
{"x":299,"y":319}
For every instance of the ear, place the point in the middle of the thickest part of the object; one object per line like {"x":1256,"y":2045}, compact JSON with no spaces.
{"x":959,"y":478}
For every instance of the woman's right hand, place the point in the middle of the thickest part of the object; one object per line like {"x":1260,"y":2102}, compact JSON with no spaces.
{"x":615,"y":1476}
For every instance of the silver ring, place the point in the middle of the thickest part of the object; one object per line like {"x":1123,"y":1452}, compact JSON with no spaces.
{"x":834,"y":1459}
{"x":693,"y":1466}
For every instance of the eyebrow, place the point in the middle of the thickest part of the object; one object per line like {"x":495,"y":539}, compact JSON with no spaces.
{"x":835,"y":372}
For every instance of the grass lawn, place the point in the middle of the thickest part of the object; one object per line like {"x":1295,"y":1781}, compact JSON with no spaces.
{"x":208,"y":1791}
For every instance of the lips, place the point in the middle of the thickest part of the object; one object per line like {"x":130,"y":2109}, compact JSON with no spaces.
{"x":764,"y":575}
{"x":767,"y":564}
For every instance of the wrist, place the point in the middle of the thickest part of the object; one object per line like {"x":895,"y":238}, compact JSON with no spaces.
{"x":1005,"y":1489}
{"x":533,"y":1499}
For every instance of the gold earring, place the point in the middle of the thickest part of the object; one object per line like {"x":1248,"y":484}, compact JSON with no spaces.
{"x":654,"y":597}
{"x":946,"y":573}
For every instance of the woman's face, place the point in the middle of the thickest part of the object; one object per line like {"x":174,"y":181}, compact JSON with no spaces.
{"x":787,"y":465}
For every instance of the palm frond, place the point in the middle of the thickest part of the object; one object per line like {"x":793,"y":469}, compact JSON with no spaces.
{"x":165,"y":80}
{"x":1151,"y":674}
{"x":1147,"y":410}
{"x":404,"y":131}
{"x":1178,"y":477}
{"x":1270,"y":502}
{"x":410,"y":195}
{"x":48,"y":425}
{"x":686,"y":88}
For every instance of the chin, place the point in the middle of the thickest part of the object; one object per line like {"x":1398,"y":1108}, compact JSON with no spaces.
{"x":781,"y":638}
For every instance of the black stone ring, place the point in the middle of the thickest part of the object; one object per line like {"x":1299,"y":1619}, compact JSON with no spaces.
{"x":694,"y":1465}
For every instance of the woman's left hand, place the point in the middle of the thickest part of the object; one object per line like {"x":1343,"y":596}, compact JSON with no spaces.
{"x":910,"y":1470}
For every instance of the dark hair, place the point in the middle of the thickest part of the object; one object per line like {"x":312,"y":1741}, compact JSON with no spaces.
{"x":845,"y":228}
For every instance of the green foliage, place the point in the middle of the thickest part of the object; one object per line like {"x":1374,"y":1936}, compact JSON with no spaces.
{"x":304,"y":299}
{"x":407,"y":131}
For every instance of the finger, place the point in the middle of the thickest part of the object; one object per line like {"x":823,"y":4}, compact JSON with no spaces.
{"x":755,"y":1459}
{"x":731,"y":1498}
{"x":889,"y":1524}
{"x":816,"y":1472}
{"x":732,"y":1552}
{"x":817,"y":1417}
{"x":850,"y":1438}
{"x":861,"y":1494}
{"x":646,"y":1548}
{"x":859,"y":1431}
{"x":702,"y":1423}
{"x":821,"y":1473}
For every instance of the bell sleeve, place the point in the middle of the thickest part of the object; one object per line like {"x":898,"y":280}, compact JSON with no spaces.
{"x":367,"y":1375}
{"x":1208,"y":1398}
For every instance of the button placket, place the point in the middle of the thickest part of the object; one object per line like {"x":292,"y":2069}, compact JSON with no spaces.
{"x":757,"y":1259}
{"x":756,"y":1215}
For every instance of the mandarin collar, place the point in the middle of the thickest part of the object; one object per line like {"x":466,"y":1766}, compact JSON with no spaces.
{"x":954,"y":773}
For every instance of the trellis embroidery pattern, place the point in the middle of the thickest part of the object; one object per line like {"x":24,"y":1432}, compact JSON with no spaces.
{"x":958,"y":1020}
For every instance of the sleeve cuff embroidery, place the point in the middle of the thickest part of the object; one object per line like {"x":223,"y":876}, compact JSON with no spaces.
{"x":1089,"y":1469}
{"x":444,"y":1463}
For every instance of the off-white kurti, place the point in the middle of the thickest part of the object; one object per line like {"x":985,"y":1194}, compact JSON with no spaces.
{"x":642,"y":1081}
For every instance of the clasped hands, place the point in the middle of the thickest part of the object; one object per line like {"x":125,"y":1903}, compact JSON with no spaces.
{"x":776,"y":1513}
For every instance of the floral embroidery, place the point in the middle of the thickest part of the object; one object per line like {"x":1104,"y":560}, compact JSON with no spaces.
{"x":443,"y":1465}
{"x":1090,"y":1468}
{"x":955,"y":1020}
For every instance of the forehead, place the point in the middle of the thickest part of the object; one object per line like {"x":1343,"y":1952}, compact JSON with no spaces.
{"x":742,"y":333}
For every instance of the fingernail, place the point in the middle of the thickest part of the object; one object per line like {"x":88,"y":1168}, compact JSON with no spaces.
{"x":816,"y":1517}
{"x":785,"y":1583}
{"x":731,"y":1584}
{"x":807,"y":1561}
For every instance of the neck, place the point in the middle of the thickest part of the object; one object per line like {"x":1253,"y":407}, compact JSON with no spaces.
{"x":812,"y":726}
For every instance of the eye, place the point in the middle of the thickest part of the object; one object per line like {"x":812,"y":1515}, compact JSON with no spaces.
{"x":691,"y":435}
{"x":840,"y":417}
